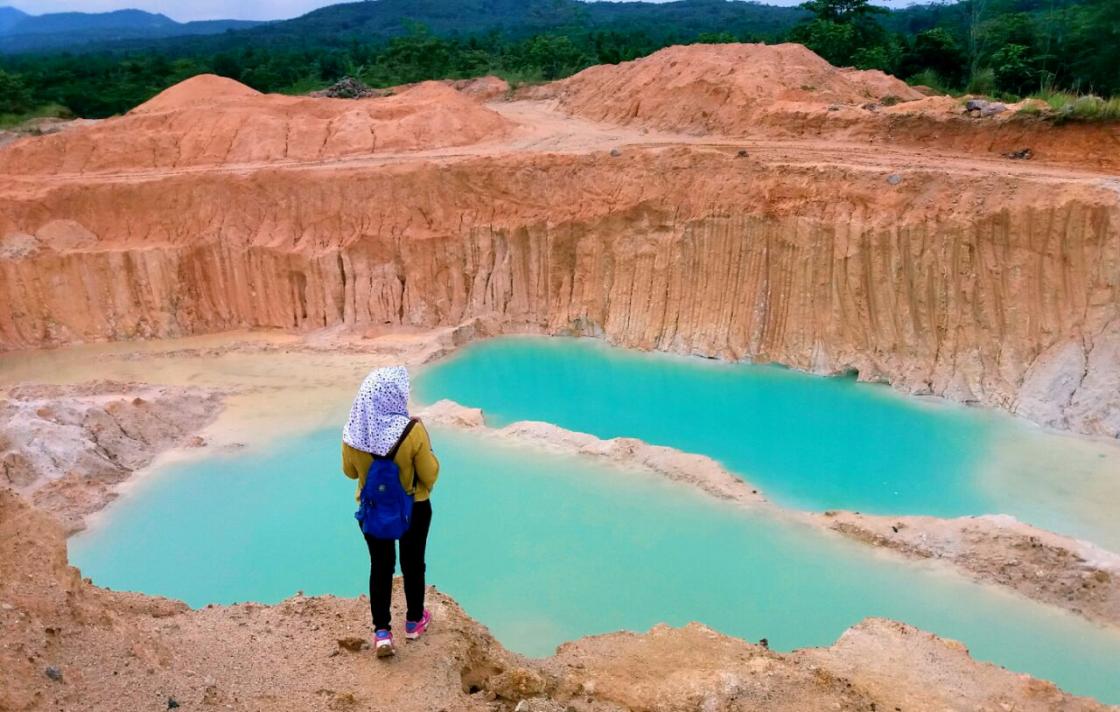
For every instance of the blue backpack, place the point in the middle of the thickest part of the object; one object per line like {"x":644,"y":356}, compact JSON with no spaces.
{"x":385,"y":508}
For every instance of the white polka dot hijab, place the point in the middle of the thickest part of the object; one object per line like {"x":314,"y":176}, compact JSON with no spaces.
{"x":380,"y":411}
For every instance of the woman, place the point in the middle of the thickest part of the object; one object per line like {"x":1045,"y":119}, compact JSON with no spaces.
{"x":378,"y":424}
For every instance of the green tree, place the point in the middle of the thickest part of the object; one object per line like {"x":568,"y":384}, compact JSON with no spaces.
{"x":1014,"y":69}
{"x":226,"y":65}
{"x":1091,"y":48}
{"x":716,"y":38}
{"x":844,"y":32}
{"x":842,"y":11}
{"x":935,"y":50}
{"x":15,"y":98}
{"x":414,"y":57}
{"x":876,"y":57}
{"x":554,"y":56}
{"x":834,"y":41}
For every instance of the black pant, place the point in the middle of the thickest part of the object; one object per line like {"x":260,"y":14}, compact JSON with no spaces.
{"x":383,"y":561}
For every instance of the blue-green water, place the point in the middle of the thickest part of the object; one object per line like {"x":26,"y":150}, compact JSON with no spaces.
{"x":544,"y":548}
{"x":807,"y":442}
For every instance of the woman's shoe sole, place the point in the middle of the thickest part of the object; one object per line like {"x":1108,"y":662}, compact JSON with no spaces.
{"x":385,"y":651}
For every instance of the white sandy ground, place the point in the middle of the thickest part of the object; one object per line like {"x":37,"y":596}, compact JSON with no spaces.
{"x":277,"y":385}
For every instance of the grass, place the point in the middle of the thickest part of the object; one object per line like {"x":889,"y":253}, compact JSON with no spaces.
{"x":50,"y":111}
{"x":305,"y":86}
{"x":1064,"y":106}
{"x":930,"y":78}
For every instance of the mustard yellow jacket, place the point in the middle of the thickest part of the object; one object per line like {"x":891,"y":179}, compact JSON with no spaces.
{"x":414,"y":458}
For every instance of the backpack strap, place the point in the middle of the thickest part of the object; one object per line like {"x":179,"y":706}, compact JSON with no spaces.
{"x":392,"y":454}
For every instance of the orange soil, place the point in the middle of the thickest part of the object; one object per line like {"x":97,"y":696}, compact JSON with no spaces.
{"x":210,"y":121}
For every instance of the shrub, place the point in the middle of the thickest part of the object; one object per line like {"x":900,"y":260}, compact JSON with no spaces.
{"x":983,"y":82}
{"x":1013,"y":69}
{"x":931,"y":79}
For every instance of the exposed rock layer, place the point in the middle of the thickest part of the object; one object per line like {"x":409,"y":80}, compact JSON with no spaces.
{"x":963,"y":289}
{"x":67,"y":448}
{"x":1045,"y":566}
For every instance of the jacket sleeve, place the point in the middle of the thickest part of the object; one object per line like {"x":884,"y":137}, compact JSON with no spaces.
{"x":349,"y":467}
{"x":424,"y":462}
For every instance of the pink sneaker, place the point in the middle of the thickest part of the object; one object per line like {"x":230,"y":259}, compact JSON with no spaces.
{"x":412,"y":630}
{"x":383,"y":643}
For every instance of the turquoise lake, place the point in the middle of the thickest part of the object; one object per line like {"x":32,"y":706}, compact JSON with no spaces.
{"x":544,"y":548}
{"x":807,"y":442}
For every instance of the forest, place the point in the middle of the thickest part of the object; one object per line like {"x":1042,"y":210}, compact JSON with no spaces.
{"x":1055,"y":49}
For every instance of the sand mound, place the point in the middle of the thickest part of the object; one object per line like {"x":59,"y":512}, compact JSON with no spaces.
{"x":721,"y":88}
{"x":211,"y":121}
{"x":203,"y":89}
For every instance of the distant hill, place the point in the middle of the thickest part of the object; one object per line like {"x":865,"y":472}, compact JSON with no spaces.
{"x":388,"y":18}
{"x":9,"y":16}
{"x":21,"y":32}
{"x":383,"y":19}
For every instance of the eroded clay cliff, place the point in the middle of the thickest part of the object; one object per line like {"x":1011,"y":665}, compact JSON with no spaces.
{"x":980,"y":279}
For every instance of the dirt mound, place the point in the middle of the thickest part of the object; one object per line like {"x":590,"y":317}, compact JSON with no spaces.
{"x":211,"y":121}
{"x":483,"y":88}
{"x":202,"y":89}
{"x":720,"y":88}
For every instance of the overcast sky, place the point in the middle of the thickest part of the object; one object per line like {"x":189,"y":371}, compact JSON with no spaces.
{"x":184,"y":10}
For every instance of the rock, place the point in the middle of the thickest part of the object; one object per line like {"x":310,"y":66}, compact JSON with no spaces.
{"x":53,"y":673}
{"x":1024,"y":154}
{"x":975,"y":105}
{"x":540,"y":704}
{"x":18,"y":245}
{"x":485,"y":88}
{"x":172,"y":703}
{"x":992,"y":109}
{"x":1050,"y":383}
{"x":352,"y":644}
{"x":742,"y":153}
{"x":894,"y":179}
{"x":349,"y":88}
{"x":1095,"y":405}
{"x":615,"y":152}
{"x":518,"y":683}
{"x":446,"y":412}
